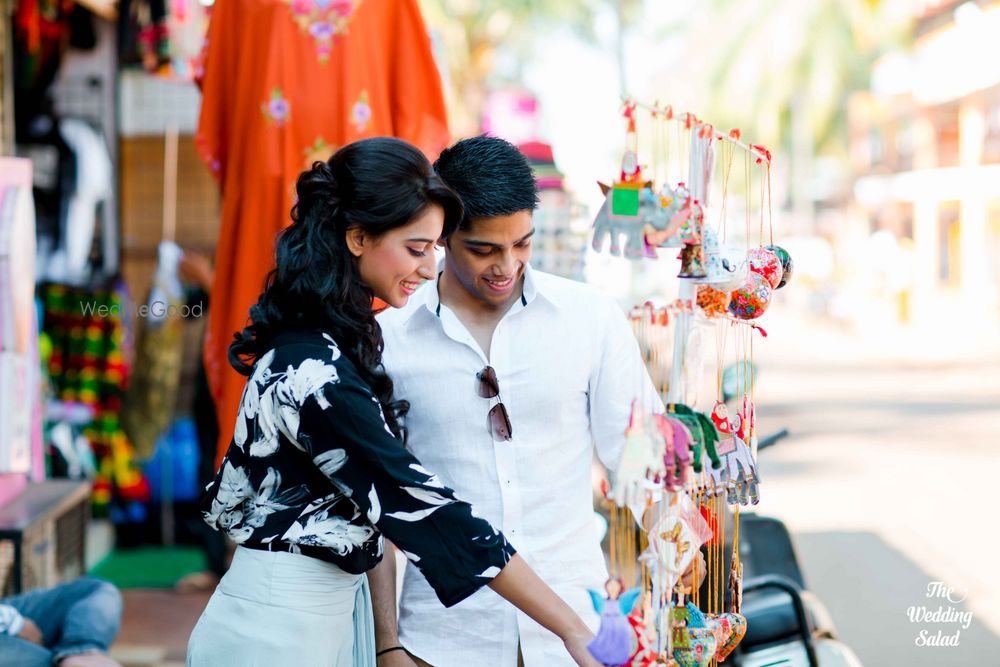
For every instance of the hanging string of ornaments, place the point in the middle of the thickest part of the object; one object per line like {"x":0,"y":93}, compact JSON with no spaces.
{"x":683,"y":472}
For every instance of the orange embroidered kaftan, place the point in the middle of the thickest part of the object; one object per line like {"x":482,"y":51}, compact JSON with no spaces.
{"x":285,"y":83}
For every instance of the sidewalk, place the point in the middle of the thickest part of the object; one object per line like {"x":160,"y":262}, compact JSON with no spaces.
{"x":156,"y":626}
{"x":885,"y":478}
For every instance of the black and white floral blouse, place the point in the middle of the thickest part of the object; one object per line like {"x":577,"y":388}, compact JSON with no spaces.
{"x":314,"y":469}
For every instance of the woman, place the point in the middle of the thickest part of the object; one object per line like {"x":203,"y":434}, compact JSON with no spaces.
{"x":316,"y":473}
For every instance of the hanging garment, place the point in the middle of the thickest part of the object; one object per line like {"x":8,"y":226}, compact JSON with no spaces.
{"x":40,"y":31}
{"x":87,"y":365}
{"x":90,"y":199}
{"x":187,"y":24}
{"x":286,"y":83}
{"x":20,"y":374}
{"x":148,"y":407}
{"x":143,"y":36}
{"x":15,"y":366}
{"x":53,"y":180}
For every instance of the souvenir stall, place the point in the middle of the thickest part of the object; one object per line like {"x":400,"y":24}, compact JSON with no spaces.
{"x":63,"y":82}
{"x":41,"y":522}
{"x":89,"y":94}
{"x":684,"y":475}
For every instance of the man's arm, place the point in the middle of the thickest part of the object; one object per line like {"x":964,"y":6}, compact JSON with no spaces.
{"x":619,"y":377}
{"x":382,"y":581}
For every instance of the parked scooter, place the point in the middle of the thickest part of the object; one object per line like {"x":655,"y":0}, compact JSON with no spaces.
{"x":787,"y":626}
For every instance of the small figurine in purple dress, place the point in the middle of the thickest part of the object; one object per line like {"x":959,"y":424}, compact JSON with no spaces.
{"x":613,"y":644}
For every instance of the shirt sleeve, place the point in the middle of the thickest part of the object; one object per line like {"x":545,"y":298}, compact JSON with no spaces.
{"x":351,"y":444}
{"x":619,"y":377}
{"x":11,"y":621}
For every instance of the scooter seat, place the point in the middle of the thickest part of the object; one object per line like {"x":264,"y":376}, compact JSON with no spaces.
{"x":771,"y":617}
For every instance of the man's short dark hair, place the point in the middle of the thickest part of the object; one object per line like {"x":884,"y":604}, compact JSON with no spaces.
{"x":491,"y":176}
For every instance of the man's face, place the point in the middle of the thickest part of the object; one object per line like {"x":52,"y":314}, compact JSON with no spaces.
{"x":488,"y":259}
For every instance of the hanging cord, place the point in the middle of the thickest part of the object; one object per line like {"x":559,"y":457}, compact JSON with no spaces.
{"x":736,"y":554}
{"x":770,"y":217}
{"x":748,"y":193}
{"x":760,"y":233}
{"x":691,"y":121}
{"x":728,"y":152}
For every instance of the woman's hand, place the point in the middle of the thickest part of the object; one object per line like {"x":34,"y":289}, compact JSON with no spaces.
{"x":519,"y":584}
{"x":395,"y":659}
{"x":576,"y":644}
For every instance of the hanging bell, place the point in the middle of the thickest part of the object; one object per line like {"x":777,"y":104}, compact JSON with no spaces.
{"x":692,"y":261}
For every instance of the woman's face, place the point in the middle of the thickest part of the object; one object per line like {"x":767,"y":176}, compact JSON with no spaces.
{"x":394,"y":264}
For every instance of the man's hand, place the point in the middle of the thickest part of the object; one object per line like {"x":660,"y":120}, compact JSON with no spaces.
{"x":31,"y":633}
{"x":687,"y":579}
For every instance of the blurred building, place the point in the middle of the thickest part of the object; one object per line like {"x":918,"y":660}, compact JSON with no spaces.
{"x":559,"y":246}
{"x":925,"y":148}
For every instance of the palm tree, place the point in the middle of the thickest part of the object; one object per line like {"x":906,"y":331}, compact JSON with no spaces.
{"x":473,"y":31}
{"x":787,"y":67}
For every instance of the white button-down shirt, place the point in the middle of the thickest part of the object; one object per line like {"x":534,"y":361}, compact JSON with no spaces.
{"x":568,"y":368}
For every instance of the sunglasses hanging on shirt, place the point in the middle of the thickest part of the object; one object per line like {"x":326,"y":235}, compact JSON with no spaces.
{"x":499,"y":420}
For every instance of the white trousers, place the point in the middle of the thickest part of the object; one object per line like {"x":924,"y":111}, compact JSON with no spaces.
{"x":273,"y":609}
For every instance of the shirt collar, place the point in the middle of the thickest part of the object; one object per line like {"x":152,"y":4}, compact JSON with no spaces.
{"x":535,"y":285}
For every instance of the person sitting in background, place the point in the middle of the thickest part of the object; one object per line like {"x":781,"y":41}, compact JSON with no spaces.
{"x":71,"y":625}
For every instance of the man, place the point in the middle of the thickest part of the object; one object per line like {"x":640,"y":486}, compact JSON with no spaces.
{"x":512,"y":376}
{"x":71,"y":625}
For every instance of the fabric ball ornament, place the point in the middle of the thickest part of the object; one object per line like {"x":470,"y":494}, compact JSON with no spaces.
{"x":787,"y":265}
{"x":712,"y":301}
{"x":700,"y":650}
{"x":751,"y":300}
{"x":721,"y":629}
{"x":767,"y":264}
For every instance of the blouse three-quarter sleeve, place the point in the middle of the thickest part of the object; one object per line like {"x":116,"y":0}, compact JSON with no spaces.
{"x":348,"y":439}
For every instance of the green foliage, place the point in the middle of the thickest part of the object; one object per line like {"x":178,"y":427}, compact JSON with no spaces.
{"x":795,"y":56}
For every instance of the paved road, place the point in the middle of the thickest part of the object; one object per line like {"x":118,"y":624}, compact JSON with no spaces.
{"x":889,"y":483}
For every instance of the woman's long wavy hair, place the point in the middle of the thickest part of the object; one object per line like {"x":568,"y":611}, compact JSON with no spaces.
{"x":376,"y":184}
